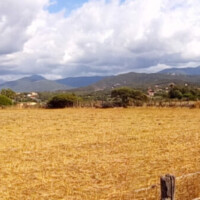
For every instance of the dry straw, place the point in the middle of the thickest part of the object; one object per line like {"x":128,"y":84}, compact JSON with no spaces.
{"x":93,"y":154}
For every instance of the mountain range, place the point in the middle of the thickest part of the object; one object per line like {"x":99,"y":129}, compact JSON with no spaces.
{"x":142,"y":81}
{"x":77,"y":82}
{"x":33,"y":83}
{"x":179,"y":76}
{"x":182,"y":71}
{"x":40,"y":84}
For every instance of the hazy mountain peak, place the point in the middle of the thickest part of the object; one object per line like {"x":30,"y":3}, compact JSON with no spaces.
{"x":182,"y":71}
{"x":33,"y":78}
{"x":82,"y":81}
{"x":33,"y":83}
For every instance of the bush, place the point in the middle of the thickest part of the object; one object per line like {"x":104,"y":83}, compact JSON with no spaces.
{"x":107,"y":104}
{"x":62,"y":101}
{"x":175,"y":93}
{"x":190,"y":97}
{"x":186,"y":93}
{"x":124,"y":96}
{"x":8,"y":93}
{"x":5,"y":101}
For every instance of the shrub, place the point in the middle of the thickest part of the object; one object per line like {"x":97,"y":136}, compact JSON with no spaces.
{"x":124,"y":96}
{"x":5,"y":101}
{"x":175,"y":93}
{"x":189,"y":97}
{"x":62,"y":101}
{"x":107,"y":104}
{"x":8,"y":93}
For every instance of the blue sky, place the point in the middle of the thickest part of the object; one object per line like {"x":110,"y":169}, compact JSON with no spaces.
{"x":69,"y":5}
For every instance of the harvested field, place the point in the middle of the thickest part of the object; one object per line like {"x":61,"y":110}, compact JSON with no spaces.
{"x":93,"y":154}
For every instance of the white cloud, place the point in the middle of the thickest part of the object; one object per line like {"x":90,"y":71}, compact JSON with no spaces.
{"x":15,"y":17}
{"x":101,"y":37}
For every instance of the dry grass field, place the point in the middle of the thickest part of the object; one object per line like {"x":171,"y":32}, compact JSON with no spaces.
{"x":93,"y":154}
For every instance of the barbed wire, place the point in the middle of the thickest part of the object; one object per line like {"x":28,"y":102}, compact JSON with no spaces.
{"x":156,"y":185}
{"x":186,"y":175}
{"x":146,"y":188}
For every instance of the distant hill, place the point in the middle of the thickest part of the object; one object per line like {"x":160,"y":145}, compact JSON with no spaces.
{"x":141,"y":81}
{"x":77,"y":82}
{"x":182,"y":71}
{"x":98,"y":83}
{"x":33,"y":83}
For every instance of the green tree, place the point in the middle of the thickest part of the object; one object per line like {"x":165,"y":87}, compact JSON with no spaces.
{"x":5,"y":101}
{"x":8,"y":93}
{"x":186,"y":93}
{"x":175,"y":93}
{"x":138,"y":95}
{"x":62,"y":101}
{"x":123,"y":96}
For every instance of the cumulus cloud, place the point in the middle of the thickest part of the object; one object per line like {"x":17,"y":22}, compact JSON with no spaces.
{"x":15,"y":17}
{"x":101,"y":37}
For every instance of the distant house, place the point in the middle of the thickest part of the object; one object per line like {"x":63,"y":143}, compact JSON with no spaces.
{"x":31,"y":103}
{"x":116,"y":85}
{"x":150,"y":92}
{"x":33,"y":95}
{"x":27,"y":104}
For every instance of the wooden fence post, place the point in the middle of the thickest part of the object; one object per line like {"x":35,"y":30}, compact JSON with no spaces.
{"x":167,"y":183}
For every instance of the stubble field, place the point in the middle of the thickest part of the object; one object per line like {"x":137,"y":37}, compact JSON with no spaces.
{"x":93,"y":154}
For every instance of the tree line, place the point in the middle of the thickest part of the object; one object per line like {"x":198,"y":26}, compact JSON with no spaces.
{"x":118,"y":97}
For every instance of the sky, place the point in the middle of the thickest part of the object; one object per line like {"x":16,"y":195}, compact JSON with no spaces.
{"x":69,"y":38}
{"x":67,"y":5}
